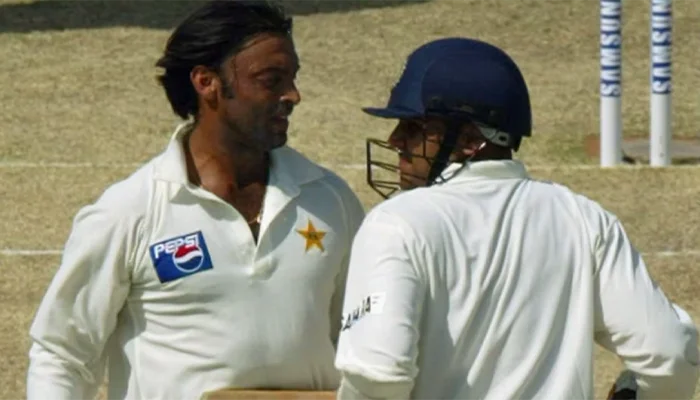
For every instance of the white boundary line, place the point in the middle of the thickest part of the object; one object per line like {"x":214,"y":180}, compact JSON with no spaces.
{"x":691,"y":253}
{"x":47,"y":252}
{"x":26,"y":164}
{"x":358,"y":166}
{"x":29,"y":252}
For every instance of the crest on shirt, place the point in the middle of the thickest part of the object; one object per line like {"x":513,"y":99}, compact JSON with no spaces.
{"x":180,"y":256}
{"x":313,"y":237}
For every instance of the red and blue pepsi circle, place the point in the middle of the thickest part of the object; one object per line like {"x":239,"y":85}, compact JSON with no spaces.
{"x":188,"y":258}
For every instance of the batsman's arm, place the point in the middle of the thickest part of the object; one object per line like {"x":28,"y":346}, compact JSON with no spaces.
{"x":79,"y":309}
{"x":354,"y":215}
{"x":378,"y":344}
{"x":655,"y":339}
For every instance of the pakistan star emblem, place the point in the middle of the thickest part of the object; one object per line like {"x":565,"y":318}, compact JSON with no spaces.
{"x":312,"y":236}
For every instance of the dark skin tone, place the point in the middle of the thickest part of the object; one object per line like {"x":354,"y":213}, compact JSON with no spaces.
{"x":423,"y":137}
{"x":243,"y":114}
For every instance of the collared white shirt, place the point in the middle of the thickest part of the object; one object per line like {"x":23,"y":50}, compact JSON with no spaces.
{"x":164,"y":281}
{"x":496,"y":286}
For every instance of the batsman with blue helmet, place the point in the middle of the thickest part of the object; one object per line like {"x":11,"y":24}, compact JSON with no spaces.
{"x":475,"y":281}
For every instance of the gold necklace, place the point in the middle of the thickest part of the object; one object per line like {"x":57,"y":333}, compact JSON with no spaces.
{"x":258,"y":218}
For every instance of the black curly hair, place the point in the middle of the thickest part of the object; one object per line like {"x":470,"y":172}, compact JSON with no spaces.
{"x":207,"y":37}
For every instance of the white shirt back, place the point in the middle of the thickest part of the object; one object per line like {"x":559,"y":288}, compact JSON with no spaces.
{"x":496,"y":286}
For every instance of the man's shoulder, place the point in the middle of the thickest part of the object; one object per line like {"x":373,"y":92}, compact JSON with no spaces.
{"x":407,"y":209}
{"x":582,"y":199}
{"x":417,"y":206}
{"x":338,"y":183}
{"x":590,"y":210}
{"x":310,"y":172}
{"x":128,"y":196}
{"x":409,"y":202}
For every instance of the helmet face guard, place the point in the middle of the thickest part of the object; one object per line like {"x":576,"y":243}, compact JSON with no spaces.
{"x":385,"y":187}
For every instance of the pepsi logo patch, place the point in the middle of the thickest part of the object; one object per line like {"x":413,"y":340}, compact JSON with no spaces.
{"x":180,"y":256}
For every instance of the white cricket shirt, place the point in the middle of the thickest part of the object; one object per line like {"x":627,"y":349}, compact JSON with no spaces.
{"x":164,"y":281}
{"x":496,"y":286}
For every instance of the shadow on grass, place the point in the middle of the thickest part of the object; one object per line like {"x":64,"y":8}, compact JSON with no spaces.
{"x":46,"y":15}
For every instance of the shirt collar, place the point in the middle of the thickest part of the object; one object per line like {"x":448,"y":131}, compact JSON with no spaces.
{"x":172,"y":166}
{"x":481,"y":170}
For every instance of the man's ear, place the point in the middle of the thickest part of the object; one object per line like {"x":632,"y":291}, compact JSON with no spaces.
{"x":206,"y":83}
{"x":470,"y":140}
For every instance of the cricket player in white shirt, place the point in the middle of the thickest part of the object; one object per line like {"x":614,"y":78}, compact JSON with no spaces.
{"x":221,"y":262}
{"x":482,"y":282}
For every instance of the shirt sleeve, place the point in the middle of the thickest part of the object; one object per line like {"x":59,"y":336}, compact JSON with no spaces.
{"x":655,"y":339}
{"x":378,"y":344}
{"x":79,"y":310}
{"x":355,"y":214}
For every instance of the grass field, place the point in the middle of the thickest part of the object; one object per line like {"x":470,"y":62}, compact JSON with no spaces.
{"x":81,"y":108}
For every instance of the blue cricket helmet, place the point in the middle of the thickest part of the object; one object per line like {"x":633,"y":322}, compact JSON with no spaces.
{"x":465,"y":78}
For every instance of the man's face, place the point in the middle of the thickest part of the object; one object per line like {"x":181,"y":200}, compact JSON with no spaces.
{"x":418,"y":141}
{"x":259,"y":91}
